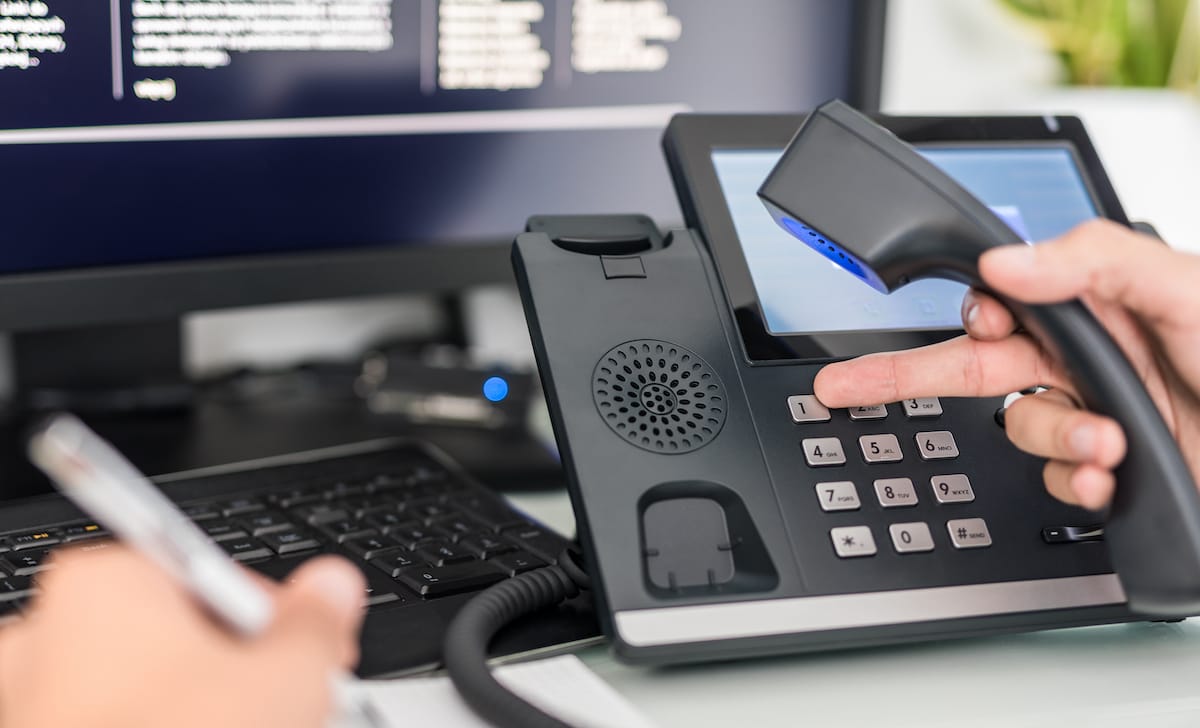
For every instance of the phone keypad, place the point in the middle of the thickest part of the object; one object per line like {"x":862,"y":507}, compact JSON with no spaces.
{"x":823,"y":451}
{"x":838,"y":496}
{"x":884,"y":450}
{"x":880,"y":448}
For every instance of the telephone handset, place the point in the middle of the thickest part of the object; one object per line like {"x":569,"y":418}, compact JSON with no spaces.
{"x":723,"y":510}
{"x":924,"y":224}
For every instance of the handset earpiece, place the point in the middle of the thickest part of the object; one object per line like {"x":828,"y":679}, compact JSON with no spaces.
{"x":868,"y":201}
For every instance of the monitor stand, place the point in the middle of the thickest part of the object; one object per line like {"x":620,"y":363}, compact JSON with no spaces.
{"x":110,"y":369}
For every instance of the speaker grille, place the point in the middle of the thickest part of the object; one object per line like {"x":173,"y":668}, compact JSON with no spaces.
{"x":659,"y":396}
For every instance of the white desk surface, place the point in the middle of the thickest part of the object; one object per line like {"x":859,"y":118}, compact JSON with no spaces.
{"x":1145,"y":675}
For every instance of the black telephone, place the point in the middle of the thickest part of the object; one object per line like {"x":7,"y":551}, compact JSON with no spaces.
{"x":723,"y":510}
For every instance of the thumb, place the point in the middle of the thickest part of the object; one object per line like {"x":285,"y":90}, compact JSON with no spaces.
{"x":323,"y":602}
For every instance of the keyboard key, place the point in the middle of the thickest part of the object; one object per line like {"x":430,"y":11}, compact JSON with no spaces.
{"x":490,"y":513}
{"x":83,"y":531}
{"x":880,"y":448}
{"x":952,"y":488}
{"x":319,"y":513}
{"x":540,"y":541}
{"x":267,"y":522}
{"x":223,"y":530}
{"x":436,"y":581}
{"x":246,"y":549}
{"x":874,"y":412}
{"x":344,"y":490}
{"x":969,"y":533}
{"x":517,"y":562}
{"x":289,"y":542}
{"x":203,"y":512}
{"x":911,"y":538}
{"x":455,"y":526}
{"x":238,"y":506}
{"x":16,"y":587}
{"x":852,"y":541}
{"x":384,"y":520}
{"x":441,"y":552}
{"x":428,"y":510}
{"x":485,"y":546}
{"x":294,"y":497}
{"x":922,"y":407}
{"x":369,"y":547}
{"x":411,"y":534}
{"x":823,"y":451}
{"x":32,"y":540}
{"x":25,"y":563}
{"x":806,"y":408}
{"x":346,"y":530}
{"x":393,"y":561}
{"x":838,"y":496}
{"x":938,"y":445}
{"x":895,"y":492}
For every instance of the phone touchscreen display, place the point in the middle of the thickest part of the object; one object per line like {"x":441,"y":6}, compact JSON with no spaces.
{"x":1038,"y":190}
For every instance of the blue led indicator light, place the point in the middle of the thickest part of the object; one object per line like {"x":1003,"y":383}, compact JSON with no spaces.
{"x":830,"y":250}
{"x":495,"y":389}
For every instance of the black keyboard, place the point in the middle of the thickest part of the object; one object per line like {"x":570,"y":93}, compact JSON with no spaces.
{"x":424,"y":534}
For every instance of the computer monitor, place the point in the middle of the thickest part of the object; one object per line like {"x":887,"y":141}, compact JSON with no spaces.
{"x":167,"y":156}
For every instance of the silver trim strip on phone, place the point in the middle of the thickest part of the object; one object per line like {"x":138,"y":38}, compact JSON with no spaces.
{"x":767,"y":617}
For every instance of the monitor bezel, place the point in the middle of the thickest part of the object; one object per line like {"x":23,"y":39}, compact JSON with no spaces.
{"x":165,"y":290}
{"x":691,"y":139}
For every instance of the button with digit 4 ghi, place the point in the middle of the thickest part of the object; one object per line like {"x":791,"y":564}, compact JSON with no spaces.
{"x":823,"y":451}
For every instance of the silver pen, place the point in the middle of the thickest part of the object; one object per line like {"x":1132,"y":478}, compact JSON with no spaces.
{"x":106,"y":486}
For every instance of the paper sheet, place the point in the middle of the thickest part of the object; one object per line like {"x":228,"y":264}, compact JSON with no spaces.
{"x":562,"y":686}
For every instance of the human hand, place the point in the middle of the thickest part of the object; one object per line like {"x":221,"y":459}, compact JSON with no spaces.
{"x":112,"y":642}
{"x":1144,"y":293}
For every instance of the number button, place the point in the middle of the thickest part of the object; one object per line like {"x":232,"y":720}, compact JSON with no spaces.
{"x":823,"y":451}
{"x":839,"y":496}
{"x":880,"y":448}
{"x":806,"y":408}
{"x":895,"y":492}
{"x":952,"y":489}
{"x":922,"y":407}
{"x":852,"y":541}
{"x":938,"y":445}
{"x":969,"y":533}
{"x":911,"y":538}
{"x":875,"y":412}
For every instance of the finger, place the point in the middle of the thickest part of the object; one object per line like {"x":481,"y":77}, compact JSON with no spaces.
{"x":985,"y":318}
{"x":1050,"y":425}
{"x":1086,"y":485}
{"x":322,"y":604}
{"x":961,"y":367}
{"x":1106,"y":261}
